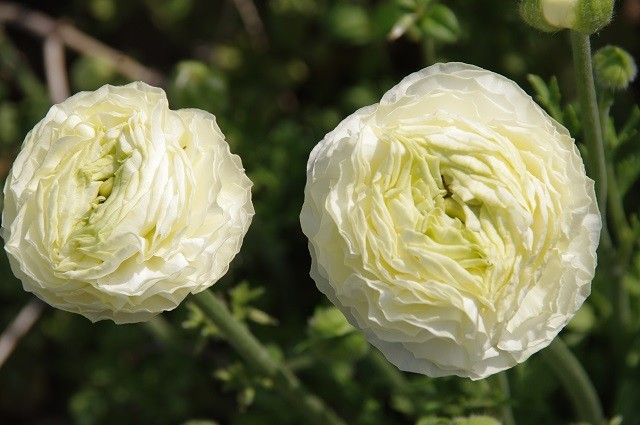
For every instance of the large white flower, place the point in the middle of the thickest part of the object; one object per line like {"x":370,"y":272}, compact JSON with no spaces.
{"x":452,"y":222}
{"x":118,"y":207}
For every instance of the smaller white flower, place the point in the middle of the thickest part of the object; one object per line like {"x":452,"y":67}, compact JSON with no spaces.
{"x":118,"y":207}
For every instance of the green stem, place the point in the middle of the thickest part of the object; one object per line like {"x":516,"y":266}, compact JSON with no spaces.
{"x":621,"y":227}
{"x":592,"y":127}
{"x":624,"y":236}
{"x":507,"y":412}
{"x":575,"y":381}
{"x":257,"y":356}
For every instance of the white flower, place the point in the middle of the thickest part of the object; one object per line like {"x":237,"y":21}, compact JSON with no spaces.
{"x":452,"y":222}
{"x":118,"y":207}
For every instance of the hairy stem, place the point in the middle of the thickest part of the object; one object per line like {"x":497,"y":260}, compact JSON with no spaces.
{"x":575,"y":381}
{"x":257,"y":356}
{"x":507,"y":412}
{"x":592,"y":127}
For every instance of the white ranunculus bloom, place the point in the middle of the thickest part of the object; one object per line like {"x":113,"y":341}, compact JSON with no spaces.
{"x":452,"y":222}
{"x":118,"y":207}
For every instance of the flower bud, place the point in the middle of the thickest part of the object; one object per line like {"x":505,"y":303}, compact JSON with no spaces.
{"x":585,"y":16}
{"x":615,"y":69}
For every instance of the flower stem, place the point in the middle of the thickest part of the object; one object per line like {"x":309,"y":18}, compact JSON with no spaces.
{"x":575,"y":381}
{"x":620,"y":225}
{"x":592,"y":128}
{"x":507,"y":412}
{"x":257,"y":356}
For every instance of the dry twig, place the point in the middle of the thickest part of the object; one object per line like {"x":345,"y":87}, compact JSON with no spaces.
{"x":55,"y":69}
{"x":19,"y":328}
{"x":45,"y":26}
{"x":252,"y":22}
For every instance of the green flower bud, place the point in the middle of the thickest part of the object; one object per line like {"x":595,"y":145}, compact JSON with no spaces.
{"x":614,"y":68}
{"x":585,"y":16}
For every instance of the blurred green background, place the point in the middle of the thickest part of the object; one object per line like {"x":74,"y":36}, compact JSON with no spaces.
{"x":277,"y":85}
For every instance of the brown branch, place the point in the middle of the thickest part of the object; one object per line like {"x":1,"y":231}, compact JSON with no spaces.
{"x":19,"y":328}
{"x":55,"y":69}
{"x":45,"y":26}
{"x":253,"y":24}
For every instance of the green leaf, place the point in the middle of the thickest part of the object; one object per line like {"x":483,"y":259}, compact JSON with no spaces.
{"x":260,"y":317}
{"x":630,"y":128}
{"x":441,"y":24}
{"x":548,"y":95}
{"x":402,"y":25}
{"x":328,"y":322}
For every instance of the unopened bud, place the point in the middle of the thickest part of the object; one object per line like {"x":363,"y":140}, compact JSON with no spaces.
{"x":585,"y":16}
{"x":614,"y":68}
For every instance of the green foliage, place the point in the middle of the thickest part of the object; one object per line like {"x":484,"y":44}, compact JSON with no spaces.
{"x":241,"y":297}
{"x":426,"y":20}
{"x":323,"y":60}
{"x":471,"y":420}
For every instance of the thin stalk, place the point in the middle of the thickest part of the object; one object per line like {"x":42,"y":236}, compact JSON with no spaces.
{"x":575,"y":381}
{"x":625,"y":241}
{"x":507,"y":412}
{"x":621,"y":227}
{"x":592,"y":128}
{"x":257,"y":356}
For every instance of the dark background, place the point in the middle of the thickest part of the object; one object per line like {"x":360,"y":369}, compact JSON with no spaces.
{"x":276,"y":93}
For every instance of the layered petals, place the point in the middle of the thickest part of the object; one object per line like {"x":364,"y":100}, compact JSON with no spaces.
{"x":118,"y":207}
{"x":453,"y":223}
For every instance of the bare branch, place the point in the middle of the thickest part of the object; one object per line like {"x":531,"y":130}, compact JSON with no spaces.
{"x":19,"y":328}
{"x":252,"y":22}
{"x":45,"y":26}
{"x":55,"y":69}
